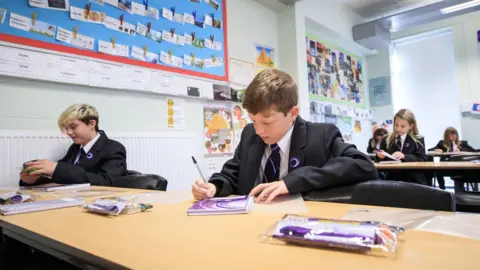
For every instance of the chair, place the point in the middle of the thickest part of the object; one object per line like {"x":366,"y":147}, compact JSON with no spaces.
{"x":142,"y":181}
{"x":402,"y":194}
{"x":333,"y":195}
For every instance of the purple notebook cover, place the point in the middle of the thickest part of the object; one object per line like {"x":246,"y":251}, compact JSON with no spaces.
{"x":219,"y":206}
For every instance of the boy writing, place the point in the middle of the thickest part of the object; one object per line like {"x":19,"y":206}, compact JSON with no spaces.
{"x":280,"y":153}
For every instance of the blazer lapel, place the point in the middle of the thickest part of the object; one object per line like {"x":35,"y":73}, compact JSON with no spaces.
{"x":297,"y":144}
{"x":73,"y":154}
{"x":407,"y":145}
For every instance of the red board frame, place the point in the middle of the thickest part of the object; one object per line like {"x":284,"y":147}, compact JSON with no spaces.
{"x":97,"y":55}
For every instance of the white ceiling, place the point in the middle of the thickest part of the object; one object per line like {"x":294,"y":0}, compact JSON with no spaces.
{"x":367,"y":9}
{"x":377,"y":8}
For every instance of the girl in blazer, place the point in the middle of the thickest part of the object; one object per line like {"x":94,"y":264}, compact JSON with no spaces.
{"x":406,"y":145}
{"x":375,"y":141}
{"x":451,"y":143}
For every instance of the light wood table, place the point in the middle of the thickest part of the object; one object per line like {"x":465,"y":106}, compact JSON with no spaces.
{"x":166,"y":238}
{"x":460,"y":165}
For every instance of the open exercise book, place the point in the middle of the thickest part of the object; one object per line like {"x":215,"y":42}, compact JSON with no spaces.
{"x":21,"y":208}
{"x":221,"y":206}
{"x":54,"y":187}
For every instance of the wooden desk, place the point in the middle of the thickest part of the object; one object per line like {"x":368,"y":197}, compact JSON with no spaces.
{"x":166,"y":238}
{"x":460,"y":165}
{"x":447,"y":154}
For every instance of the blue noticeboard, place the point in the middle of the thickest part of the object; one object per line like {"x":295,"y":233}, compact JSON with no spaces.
{"x":62,"y":18}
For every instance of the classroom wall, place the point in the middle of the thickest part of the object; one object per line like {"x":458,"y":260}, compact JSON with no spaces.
{"x":467,"y":65}
{"x":378,"y":65}
{"x":35,"y":105}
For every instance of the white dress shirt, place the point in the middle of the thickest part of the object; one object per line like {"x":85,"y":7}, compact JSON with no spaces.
{"x":402,"y":138}
{"x":87,"y":147}
{"x":284,"y":145}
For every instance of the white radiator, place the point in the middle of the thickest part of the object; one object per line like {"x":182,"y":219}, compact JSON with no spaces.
{"x":167,"y":154}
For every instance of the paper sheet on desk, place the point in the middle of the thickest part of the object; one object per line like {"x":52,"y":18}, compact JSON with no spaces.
{"x":169,"y":197}
{"x":388,"y":155}
{"x":284,"y":204}
{"x":455,"y":224}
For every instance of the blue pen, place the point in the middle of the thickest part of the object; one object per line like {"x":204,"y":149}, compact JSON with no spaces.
{"x":198,"y":168}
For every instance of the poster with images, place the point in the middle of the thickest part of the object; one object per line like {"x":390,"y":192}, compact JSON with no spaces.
{"x":77,"y":40}
{"x":218,"y":131}
{"x":25,"y":24}
{"x":50,"y":4}
{"x":386,"y":124}
{"x":358,"y":126}
{"x":175,"y":113}
{"x":345,"y":126}
{"x":221,"y":92}
{"x":334,"y":74}
{"x":316,"y":112}
{"x":240,"y":121}
{"x":264,"y":56}
{"x":125,"y":5}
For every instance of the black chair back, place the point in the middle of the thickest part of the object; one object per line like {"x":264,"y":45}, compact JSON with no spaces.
{"x":333,"y":195}
{"x":465,"y":157}
{"x":403,"y":195}
{"x":142,"y":181}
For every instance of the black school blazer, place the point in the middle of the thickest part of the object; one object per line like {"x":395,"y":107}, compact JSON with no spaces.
{"x":464,"y":147}
{"x":413,"y":151}
{"x":370,"y":149}
{"x":106,"y":160}
{"x":318,"y":159}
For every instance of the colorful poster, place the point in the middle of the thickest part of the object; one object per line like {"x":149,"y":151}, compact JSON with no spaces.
{"x":240,"y":121}
{"x":78,"y":40}
{"x":334,"y":74}
{"x":218,"y":131}
{"x":264,"y":56}
{"x":345,"y":126}
{"x":50,"y":4}
{"x":26,"y":24}
{"x":358,"y":126}
{"x":81,"y":14}
{"x":175,"y":113}
{"x":387,"y":124}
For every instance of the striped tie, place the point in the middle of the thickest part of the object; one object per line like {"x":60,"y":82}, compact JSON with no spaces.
{"x":272,"y":168}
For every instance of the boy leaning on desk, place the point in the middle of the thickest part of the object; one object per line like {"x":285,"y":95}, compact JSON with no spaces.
{"x":92,"y":158}
{"x":280,"y":153}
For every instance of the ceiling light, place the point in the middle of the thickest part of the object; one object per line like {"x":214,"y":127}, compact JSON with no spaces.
{"x":460,"y":6}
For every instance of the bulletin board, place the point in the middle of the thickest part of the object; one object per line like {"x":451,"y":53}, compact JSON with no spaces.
{"x":189,"y":36}
{"x":334,"y":74}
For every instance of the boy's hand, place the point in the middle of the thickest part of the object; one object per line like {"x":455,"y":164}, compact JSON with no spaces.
{"x":438,"y":150}
{"x":269,"y":191}
{"x":27,"y":178}
{"x":202,"y":190}
{"x":43,"y":166}
{"x":398,"y":155}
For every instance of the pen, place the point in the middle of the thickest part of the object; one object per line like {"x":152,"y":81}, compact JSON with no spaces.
{"x":198,"y":168}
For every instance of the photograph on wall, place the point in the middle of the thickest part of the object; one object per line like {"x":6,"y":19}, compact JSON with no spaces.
{"x":218,"y":131}
{"x":386,"y":124}
{"x":334,"y":74}
{"x":240,"y":121}
{"x":264,"y":56}
{"x":345,"y":126}
{"x":50,"y":4}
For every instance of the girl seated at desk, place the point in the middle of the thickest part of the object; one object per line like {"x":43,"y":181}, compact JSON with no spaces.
{"x":404,"y":144}
{"x":374,"y":142}
{"x":451,"y":143}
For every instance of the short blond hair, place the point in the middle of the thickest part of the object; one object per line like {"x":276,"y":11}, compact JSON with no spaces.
{"x":82,"y":112}
{"x":271,"y":87}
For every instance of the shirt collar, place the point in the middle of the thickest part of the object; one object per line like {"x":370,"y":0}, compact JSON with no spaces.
{"x":284,"y":143}
{"x":87,"y":147}
{"x":403,"y":137}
